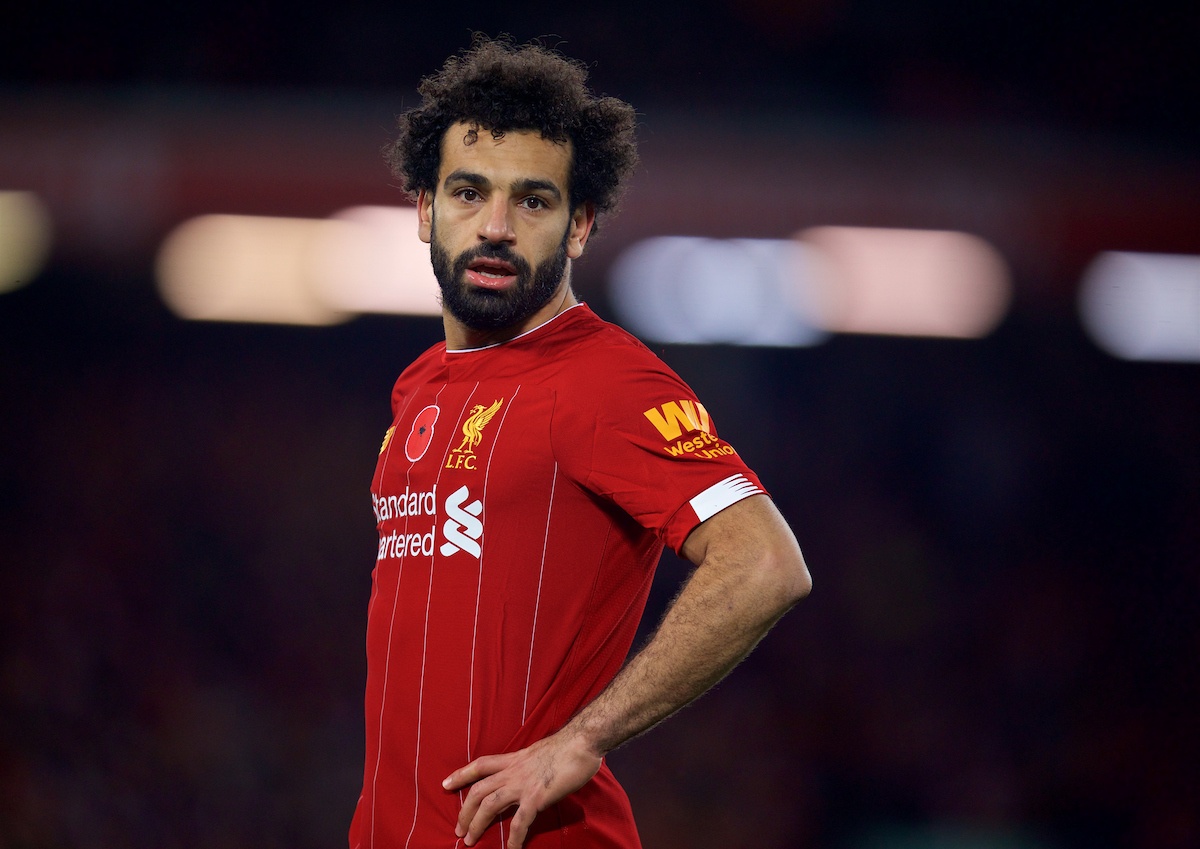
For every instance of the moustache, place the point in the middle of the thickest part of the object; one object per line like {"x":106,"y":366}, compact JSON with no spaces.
{"x":493,"y":250}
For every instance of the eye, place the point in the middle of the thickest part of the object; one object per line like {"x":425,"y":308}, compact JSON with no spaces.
{"x":468,"y":195}
{"x":534,"y":202}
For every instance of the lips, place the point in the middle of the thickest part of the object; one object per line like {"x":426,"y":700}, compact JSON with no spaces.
{"x":491,"y":273}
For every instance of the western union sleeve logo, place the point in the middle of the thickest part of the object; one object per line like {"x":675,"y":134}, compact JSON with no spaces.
{"x":676,"y":418}
{"x":673,"y":417}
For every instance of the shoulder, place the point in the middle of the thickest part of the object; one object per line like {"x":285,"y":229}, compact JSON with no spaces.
{"x":618,"y":385}
{"x":430,"y":358}
{"x":611,"y":357}
{"x":420,"y":371}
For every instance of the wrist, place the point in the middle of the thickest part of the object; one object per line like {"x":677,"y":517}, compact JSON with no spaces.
{"x":584,"y":735}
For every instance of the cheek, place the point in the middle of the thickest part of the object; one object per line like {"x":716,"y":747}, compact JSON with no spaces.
{"x":453,"y":235}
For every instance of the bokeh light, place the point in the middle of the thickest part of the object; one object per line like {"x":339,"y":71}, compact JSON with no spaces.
{"x":1143,"y":306}
{"x":25,"y":236}
{"x":796,"y":292}
{"x":243,"y":268}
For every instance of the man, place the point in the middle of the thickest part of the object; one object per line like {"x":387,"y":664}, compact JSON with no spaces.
{"x":537,"y":462}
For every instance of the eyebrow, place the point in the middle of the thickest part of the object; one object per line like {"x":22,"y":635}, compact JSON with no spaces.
{"x":530,"y":185}
{"x":527,"y":184}
{"x":461,"y":176}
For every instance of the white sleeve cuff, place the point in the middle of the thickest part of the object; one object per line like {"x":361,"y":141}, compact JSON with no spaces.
{"x":720,"y":495}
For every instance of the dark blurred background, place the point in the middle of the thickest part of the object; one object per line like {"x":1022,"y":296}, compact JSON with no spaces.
{"x":1001,"y":648}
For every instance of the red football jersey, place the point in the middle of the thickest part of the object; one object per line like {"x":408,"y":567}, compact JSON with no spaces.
{"x":523,"y":495}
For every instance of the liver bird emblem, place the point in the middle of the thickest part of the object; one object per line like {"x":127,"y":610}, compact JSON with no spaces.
{"x":474,"y":425}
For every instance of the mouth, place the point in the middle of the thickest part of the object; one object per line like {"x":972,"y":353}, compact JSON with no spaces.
{"x":491,"y":273}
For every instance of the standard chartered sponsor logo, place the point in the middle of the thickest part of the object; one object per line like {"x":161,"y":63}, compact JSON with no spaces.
{"x":462,"y":529}
{"x":409,"y":504}
{"x":397,"y":544}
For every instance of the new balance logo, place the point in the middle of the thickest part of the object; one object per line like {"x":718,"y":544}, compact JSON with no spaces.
{"x":462,"y":529}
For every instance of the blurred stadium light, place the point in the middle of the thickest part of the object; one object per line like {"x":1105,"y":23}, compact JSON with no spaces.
{"x":909,"y":282}
{"x":681,"y":289}
{"x":24,"y":238}
{"x":796,"y":292}
{"x":297,"y":270}
{"x":243,"y":268}
{"x":1140,"y":306}
{"x":369,"y":260}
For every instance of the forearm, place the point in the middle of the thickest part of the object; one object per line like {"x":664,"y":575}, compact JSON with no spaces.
{"x":731,"y":601}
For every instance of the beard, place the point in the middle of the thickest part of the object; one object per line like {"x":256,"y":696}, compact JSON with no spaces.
{"x":487,"y":309}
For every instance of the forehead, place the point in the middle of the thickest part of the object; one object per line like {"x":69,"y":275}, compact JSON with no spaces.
{"x":509,"y":157}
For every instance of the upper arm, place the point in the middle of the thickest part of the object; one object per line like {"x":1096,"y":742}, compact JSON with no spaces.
{"x":751,"y":541}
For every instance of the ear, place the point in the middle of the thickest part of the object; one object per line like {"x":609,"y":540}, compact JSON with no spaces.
{"x":425,"y":215}
{"x":582,"y":221}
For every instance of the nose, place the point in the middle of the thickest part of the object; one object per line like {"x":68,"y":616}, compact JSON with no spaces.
{"x":497,"y":226}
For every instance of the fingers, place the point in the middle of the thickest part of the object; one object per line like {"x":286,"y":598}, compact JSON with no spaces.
{"x":474,"y":771}
{"x":489,"y":810}
{"x":519,"y":827}
{"x":529,"y":780}
{"x":480,"y":775}
{"x":487,"y":799}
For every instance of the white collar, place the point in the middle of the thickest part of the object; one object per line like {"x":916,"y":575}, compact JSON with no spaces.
{"x":515,"y":338}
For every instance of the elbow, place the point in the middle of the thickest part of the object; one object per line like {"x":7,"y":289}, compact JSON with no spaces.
{"x":790,"y":578}
{"x":798,"y":581}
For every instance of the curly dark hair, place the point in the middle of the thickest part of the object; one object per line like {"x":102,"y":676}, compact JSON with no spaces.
{"x":500,"y":87}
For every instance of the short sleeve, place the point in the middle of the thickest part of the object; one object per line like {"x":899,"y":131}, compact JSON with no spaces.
{"x":655,"y":452}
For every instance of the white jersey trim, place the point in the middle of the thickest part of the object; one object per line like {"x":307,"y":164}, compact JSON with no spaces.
{"x":515,"y":338}
{"x":720,"y":495}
